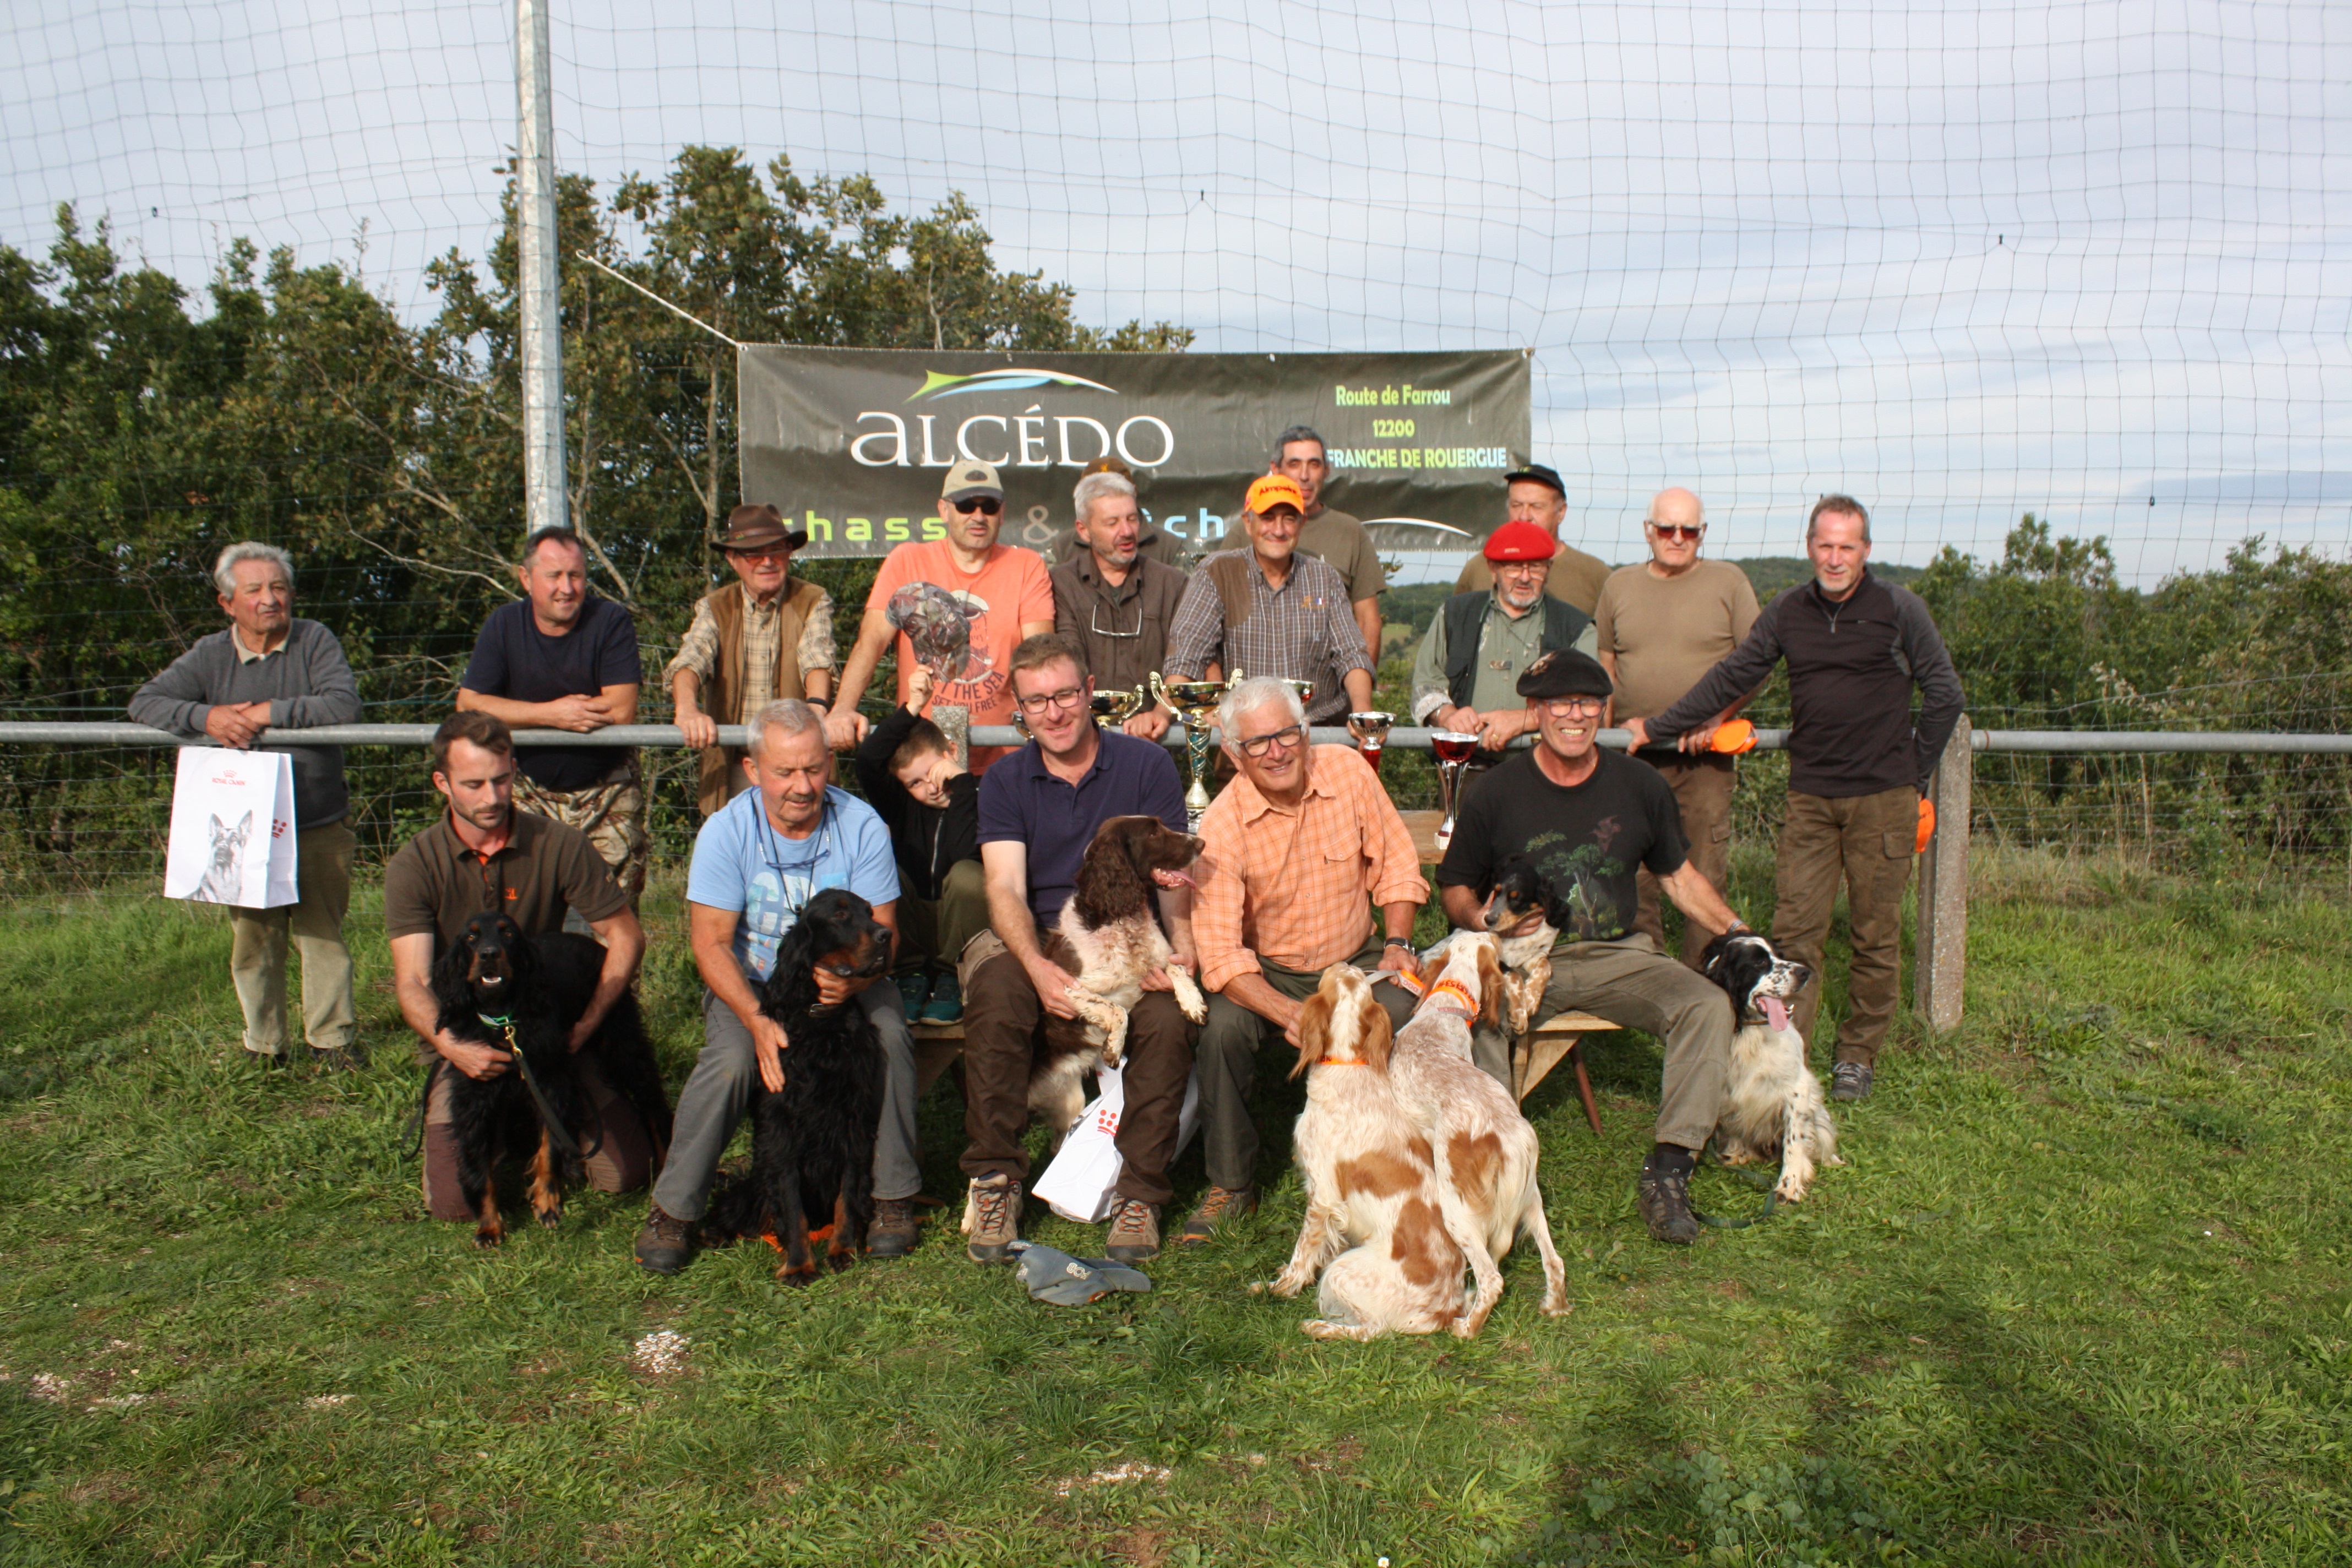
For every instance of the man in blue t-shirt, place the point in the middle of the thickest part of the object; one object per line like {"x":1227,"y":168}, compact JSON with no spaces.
{"x":1039,"y":809}
{"x":757,"y":862}
{"x":561,"y":658}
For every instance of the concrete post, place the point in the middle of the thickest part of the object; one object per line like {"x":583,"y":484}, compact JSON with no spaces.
{"x":536,"y":280}
{"x":1939,"y":966}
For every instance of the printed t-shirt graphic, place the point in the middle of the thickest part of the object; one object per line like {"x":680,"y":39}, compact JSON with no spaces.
{"x":1010,"y":588}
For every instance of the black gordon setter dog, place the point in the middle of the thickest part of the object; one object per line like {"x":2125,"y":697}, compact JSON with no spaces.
{"x":539,"y":986}
{"x":813,"y":1144}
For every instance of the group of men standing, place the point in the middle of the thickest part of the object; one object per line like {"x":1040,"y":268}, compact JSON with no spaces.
{"x":968,"y":860}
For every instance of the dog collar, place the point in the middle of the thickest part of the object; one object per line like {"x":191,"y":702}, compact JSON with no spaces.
{"x":1450,"y":996}
{"x":505,"y":1023}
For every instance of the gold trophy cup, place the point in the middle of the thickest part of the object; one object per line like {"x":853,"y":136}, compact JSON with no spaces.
{"x":1193,"y":701}
{"x":1112,"y":709}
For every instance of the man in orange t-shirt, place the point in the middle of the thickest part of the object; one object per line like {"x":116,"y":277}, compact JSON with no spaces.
{"x":963,"y":601}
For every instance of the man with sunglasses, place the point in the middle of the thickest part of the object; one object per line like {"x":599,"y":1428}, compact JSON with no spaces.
{"x":1535,"y":494}
{"x":760,"y":638}
{"x":1662,"y":625}
{"x":1039,"y":810}
{"x":1589,"y":819}
{"x":1114,"y":602}
{"x":758,"y":861}
{"x":1271,"y":609}
{"x":1297,"y":853}
{"x":1001,"y":589}
{"x":1463,"y":676}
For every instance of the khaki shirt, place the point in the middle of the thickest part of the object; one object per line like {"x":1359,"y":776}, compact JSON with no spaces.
{"x":435,"y":884}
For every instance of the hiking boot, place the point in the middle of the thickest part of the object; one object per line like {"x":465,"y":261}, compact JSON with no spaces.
{"x":1850,"y":1080}
{"x":1134,"y":1232}
{"x":336,"y":1059}
{"x":1665,"y":1197}
{"x":666,"y":1242}
{"x":894,"y":1231}
{"x":1220,"y":1205}
{"x":995,"y":1212}
{"x":912,"y":989}
{"x":946,"y":1006}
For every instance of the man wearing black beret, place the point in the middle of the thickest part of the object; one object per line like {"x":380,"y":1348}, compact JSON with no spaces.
{"x":1591,"y":818}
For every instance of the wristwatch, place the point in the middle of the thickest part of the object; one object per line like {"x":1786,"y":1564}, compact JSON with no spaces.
{"x":1402,"y":942}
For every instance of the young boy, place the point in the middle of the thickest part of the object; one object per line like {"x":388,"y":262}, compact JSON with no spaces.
{"x":909,"y":775}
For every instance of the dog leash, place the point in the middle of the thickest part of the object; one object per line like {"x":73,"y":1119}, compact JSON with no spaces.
{"x":547,"y":1117}
{"x":1771,"y":1195}
{"x":415,"y":1133}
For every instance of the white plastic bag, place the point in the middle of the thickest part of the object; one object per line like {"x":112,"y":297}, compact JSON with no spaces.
{"x":232,"y":829}
{"x":1080,"y":1182}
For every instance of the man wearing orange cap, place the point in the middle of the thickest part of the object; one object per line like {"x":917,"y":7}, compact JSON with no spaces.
{"x":1268,"y":610}
{"x":1662,"y":625}
{"x":1465,"y":675}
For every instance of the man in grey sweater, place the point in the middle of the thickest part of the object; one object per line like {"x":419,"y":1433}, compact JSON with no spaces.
{"x":269,"y":670}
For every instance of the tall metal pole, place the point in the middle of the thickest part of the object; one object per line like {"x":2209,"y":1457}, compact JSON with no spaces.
{"x":537,"y":281}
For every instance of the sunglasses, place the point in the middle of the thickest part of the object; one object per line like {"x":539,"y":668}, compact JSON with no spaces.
{"x":1678,"y":529}
{"x":987,"y":506}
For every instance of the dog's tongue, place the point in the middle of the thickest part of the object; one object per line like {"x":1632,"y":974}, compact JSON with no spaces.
{"x":1776,"y":1012}
{"x":1175,"y":879}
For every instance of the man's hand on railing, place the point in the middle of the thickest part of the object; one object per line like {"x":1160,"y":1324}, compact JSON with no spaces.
{"x":236,"y":724}
{"x":699,"y":729}
{"x":843,"y":727}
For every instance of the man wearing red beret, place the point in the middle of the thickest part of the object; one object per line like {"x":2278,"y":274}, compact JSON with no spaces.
{"x":1465,"y":677}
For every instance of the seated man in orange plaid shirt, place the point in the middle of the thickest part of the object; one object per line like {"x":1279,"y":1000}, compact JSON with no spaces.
{"x":1295,"y":852}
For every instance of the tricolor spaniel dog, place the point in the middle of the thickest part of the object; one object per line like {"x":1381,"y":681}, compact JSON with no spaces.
{"x":1108,"y":940}
{"x":1521,"y":893}
{"x":1375,"y":1226}
{"x":1773,"y":1103}
{"x":1485,"y":1149}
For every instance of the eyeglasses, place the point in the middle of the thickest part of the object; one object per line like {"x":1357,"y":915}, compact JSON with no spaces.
{"x":987,"y":506}
{"x":1573,"y":707}
{"x":1530,"y":568}
{"x":1286,"y":737}
{"x":1678,"y":529}
{"x":780,"y":552}
{"x":1068,"y":697}
{"x":1094,"y":620}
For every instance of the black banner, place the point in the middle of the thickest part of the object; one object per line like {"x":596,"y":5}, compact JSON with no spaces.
{"x":853,"y":442}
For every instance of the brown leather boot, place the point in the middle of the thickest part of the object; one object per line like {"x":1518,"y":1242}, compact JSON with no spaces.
{"x":1215,"y":1209}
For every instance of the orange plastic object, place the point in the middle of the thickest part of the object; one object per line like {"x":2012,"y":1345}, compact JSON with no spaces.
{"x":1734,"y":736}
{"x":1926,"y":826}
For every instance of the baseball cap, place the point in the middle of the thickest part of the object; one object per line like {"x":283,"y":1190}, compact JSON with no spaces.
{"x":1564,"y":672}
{"x":969,"y":478}
{"x":1541,"y":475}
{"x":1521,"y":541}
{"x":1276,"y":489}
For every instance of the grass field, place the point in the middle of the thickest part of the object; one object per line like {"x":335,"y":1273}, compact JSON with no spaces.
{"x":2081,"y":1297}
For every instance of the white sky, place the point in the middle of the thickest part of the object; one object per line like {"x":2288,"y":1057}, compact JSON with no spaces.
{"x":1963,"y":261}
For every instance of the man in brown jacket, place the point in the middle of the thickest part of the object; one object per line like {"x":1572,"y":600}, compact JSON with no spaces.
{"x":752,"y":643}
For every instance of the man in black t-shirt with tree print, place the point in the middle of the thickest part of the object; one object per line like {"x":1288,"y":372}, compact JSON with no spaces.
{"x":1590,"y":819}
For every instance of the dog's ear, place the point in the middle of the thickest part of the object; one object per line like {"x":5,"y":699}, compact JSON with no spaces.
{"x":1314,"y":1029}
{"x":1379,"y":1036}
{"x":1490,"y":985}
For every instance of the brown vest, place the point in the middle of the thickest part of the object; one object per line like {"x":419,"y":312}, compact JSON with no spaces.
{"x":1231,"y":573}
{"x":722,"y":694}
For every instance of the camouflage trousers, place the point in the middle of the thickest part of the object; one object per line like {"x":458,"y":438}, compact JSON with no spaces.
{"x":611,"y":812}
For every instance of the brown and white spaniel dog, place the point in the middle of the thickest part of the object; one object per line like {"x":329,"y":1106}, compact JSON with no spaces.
{"x":1375,"y":1228}
{"x":1485,"y":1151}
{"x":1108,"y":940}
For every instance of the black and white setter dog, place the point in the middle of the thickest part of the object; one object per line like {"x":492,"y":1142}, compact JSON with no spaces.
{"x":812,"y":1142}
{"x":1108,"y":940}
{"x":1772,"y":1105}
{"x":539,"y":986}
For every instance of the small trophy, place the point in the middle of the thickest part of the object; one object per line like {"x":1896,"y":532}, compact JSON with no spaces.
{"x":1452,"y":750}
{"x":1371,"y":733}
{"x":1303,"y":689}
{"x":1112,"y":709}
{"x":1193,"y":701}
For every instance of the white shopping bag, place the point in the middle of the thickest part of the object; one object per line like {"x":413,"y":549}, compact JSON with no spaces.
{"x":1079,"y":1182}
{"x":232,"y":829}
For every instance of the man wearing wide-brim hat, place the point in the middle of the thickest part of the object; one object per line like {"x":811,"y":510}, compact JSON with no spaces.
{"x":758,"y":640}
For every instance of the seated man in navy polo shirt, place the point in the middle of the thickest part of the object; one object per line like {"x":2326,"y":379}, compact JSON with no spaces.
{"x":1039,"y":808}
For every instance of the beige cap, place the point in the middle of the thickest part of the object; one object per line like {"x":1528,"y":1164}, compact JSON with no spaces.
{"x":967,"y":480}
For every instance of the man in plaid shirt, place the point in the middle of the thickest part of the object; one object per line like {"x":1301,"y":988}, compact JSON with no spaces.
{"x":1267,"y":610}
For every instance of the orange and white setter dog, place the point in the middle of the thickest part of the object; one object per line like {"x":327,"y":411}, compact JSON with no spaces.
{"x":1483,"y":1149}
{"x":1375,"y":1228}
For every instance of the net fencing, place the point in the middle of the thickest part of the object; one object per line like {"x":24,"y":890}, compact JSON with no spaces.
{"x":2084,"y":260}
